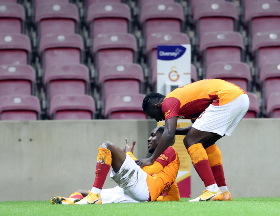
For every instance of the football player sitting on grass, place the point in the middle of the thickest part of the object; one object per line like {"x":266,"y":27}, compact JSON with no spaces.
{"x":134,"y":184}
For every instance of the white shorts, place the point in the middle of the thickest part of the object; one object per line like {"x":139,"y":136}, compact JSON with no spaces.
{"x":133,"y":180}
{"x":115,"y":195}
{"x":223,"y":119}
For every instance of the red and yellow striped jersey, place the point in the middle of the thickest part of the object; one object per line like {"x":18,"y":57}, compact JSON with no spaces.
{"x":191,"y":100}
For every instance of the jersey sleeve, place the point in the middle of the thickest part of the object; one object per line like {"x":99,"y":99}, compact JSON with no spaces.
{"x":156,"y":167}
{"x":170,"y":107}
{"x":167,"y":157}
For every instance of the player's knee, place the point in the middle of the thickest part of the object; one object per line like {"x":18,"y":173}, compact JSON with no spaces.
{"x":188,"y":141}
{"x":106,"y":144}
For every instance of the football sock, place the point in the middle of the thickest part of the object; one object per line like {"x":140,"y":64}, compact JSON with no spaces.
{"x":76,"y":195}
{"x":104,"y":160}
{"x":200,"y":162}
{"x":212,"y":188}
{"x":223,"y":189}
{"x":215,"y":161}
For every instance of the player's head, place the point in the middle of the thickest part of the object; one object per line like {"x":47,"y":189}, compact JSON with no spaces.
{"x":154,"y":138}
{"x":152,"y":106}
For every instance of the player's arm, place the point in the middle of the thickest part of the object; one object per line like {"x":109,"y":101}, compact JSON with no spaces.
{"x":167,"y":138}
{"x":183,"y":131}
{"x":172,"y":194}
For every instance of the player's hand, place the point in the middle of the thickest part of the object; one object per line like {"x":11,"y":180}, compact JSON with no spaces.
{"x":128,"y":148}
{"x":144,"y":162}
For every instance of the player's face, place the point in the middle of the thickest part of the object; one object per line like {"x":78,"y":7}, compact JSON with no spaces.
{"x":153,"y":140}
{"x":155,"y":114}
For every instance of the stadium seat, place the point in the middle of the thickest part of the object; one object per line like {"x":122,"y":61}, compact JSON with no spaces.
{"x":12,"y":18}
{"x":66,"y":79}
{"x":269,"y":81}
{"x":273,"y":105}
{"x":265,"y":49}
{"x":36,"y":3}
{"x":214,"y":17}
{"x":56,"y":18}
{"x":237,"y":73}
{"x":113,"y":49}
{"x":160,"y":17}
{"x":120,"y":78}
{"x":59,"y":49}
{"x":72,"y":107}
{"x":151,"y":49}
{"x":193,"y":74}
{"x":191,"y":4}
{"x":254,"y":110}
{"x":19,"y":108}
{"x":262,"y":17}
{"x":17,"y":80}
{"x":107,"y":18}
{"x":220,"y":47}
{"x":124,"y":106}
{"x":14,"y":49}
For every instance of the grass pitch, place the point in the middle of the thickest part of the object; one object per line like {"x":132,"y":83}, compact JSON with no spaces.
{"x":238,"y":206}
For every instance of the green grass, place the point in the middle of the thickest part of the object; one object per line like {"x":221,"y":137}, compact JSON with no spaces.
{"x":238,"y":206}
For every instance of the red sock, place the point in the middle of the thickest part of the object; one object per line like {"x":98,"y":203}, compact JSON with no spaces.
{"x":200,"y":162}
{"x":215,"y":161}
{"x":104,"y":160}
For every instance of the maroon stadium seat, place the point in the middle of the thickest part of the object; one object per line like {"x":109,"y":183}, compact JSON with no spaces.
{"x":61,"y":50}
{"x":19,"y":108}
{"x":72,"y":107}
{"x":17,"y":80}
{"x":118,"y":79}
{"x":273,"y":105}
{"x":36,"y":3}
{"x":56,"y":18}
{"x":265,"y":49}
{"x":161,"y":39}
{"x":193,"y":3}
{"x":124,"y":106}
{"x":246,"y":3}
{"x":14,"y":49}
{"x":254,"y":110}
{"x":193,"y":73}
{"x":12,"y":18}
{"x":269,"y":81}
{"x":214,"y":17}
{"x":114,"y":49}
{"x":237,"y":73}
{"x":262,"y":17}
{"x":161,"y":18}
{"x":141,"y":3}
{"x":106,"y":18}
{"x":66,"y":79}
{"x":88,"y":3}
{"x":221,"y":47}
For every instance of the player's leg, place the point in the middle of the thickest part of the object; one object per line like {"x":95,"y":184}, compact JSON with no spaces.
{"x":108,"y":155}
{"x":215,"y":160}
{"x":214,"y":123}
{"x":194,"y":143}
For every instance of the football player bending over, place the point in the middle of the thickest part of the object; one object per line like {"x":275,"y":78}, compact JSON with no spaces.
{"x":134,"y":184}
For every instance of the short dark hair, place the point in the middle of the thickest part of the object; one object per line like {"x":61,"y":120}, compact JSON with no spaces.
{"x":160,"y":129}
{"x":150,"y":99}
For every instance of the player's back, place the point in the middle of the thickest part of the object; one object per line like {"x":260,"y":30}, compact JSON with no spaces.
{"x":215,"y":90}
